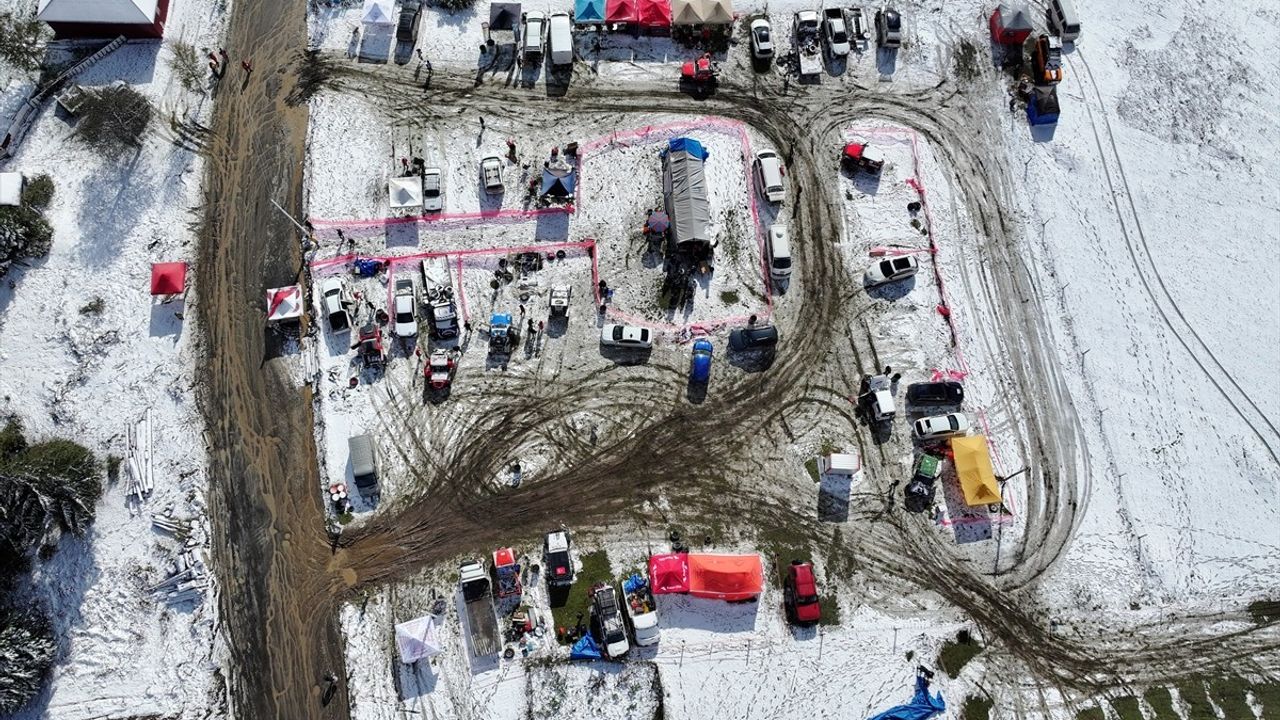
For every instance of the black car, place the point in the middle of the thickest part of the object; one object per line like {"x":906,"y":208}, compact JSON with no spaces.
{"x":753,"y":338}
{"x":947,"y":392}
{"x":407,"y":29}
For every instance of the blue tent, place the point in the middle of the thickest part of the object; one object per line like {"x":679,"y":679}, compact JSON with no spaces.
{"x":558,"y":182}
{"x":689,"y":145}
{"x":1042,"y":106}
{"x":921,"y":707}
{"x":585,"y":649}
{"x":588,"y":12}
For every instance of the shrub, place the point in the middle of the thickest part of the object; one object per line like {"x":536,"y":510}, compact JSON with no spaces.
{"x":38,"y":192}
{"x":24,"y":233}
{"x":186,"y":66}
{"x":455,"y":4}
{"x":45,"y":488}
{"x":22,"y":41}
{"x":114,"y":119}
{"x":12,"y":441}
{"x":27,"y":646}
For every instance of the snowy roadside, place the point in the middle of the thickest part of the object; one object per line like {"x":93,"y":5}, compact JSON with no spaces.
{"x":84,"y":351}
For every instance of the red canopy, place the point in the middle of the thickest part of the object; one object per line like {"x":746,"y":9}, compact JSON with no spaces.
{"x":726,"y":577}
{"x":655,"y":13}
{"x":669,"y":573}
{"x":623,"y":11}
{"x":168,"y":278}
{"x":853,"y":151}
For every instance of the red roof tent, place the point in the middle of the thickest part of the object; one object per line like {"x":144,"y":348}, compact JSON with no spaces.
{"x":105,"y":18}
{"x":1009,"y":25}
{"x":622,"y":11}
{"x":168,"y":278}
{"x":669,"y":573}
{"x":655,"y":13}
{"x":726,"y":577}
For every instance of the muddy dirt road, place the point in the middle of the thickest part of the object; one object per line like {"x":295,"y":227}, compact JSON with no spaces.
{"x":269,"y":537}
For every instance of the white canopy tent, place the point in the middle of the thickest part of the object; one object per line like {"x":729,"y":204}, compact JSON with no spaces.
{"x":378,"y":12}
{"x":124,"y":12}
{"x":405,"y":192}
{"x":10,"y":188}
{"x":418,"y":638}
{"x":284,"y":304}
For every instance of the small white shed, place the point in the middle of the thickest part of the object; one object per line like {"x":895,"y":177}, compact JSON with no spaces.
{"x":839,"y":464}
{"x":11,"y":188}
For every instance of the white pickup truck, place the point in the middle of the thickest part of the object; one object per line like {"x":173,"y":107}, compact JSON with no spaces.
{"x":642,"y":612}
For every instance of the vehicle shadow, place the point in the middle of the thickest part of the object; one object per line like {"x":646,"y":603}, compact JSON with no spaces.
{"x":886,"y":61}
{"x":753,"y":361}
{"x":833,"y":497}
{"x":865,"y":182}
{"x":626,"y":356}
{"x":893,"y":291}
{"x":696,"y":392}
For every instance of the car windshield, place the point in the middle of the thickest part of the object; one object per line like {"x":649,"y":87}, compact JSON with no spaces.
{"x":839,"y":36}
{"x":902,"y":263}
{"x":762,"y":34}
{"x":617,"y":332}
{"x":782,"y":263}
{"x":644,"y":335}
{"x":886,"y":267}
{"x":404,"y":317}
{"x":954,"y":422}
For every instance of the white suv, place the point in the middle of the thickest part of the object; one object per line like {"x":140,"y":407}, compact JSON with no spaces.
{"x":769,"y":176}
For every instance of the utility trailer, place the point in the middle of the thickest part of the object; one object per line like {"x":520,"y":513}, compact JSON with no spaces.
{"x":482,"y":622}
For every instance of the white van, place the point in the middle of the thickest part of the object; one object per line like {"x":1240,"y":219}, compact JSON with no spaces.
{"x":769,"y":176}
{"x":531,"y":37}
{"x":560,"y":38}
{"x":1063,"y":20}
{"x":779,"y":248}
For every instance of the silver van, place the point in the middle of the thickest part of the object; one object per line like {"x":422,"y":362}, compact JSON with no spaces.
{"x":364,"y":461}
{"x":779,"y":248}
{"x":560,"y":38}
{"x":1063,"y":20}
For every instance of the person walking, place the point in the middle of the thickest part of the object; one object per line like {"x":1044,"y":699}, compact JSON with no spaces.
{"x":248,"y":67}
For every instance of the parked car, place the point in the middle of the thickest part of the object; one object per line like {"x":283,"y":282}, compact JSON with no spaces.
{"x":406,"y":308}
{"x":941,"y":426}
{"x":1063,"y":20}
{"x":560,"y":38}
{"x":945,"y":392}
{"x":878,"y":398}
{"x":432,"y":190}
{"x":700,"y":367}
{"x":558,"y":557}
{"x":761,"y":39}
{"x":626,"y":336}
{"x":836,"y":32}
{"x":778,"y":249}
{"x":534,"y":30}
{"x":364,"y":462}
{"x":491,"y":174}
{"x":753,"y":338}
{"x":608,"y":617}
{"x":333,"y":298}
{"x":769,"y":176}
{"x":800,"y":594}
{"x":888,"y":28}
{"x":407,"y":28}
{"x":891,"y":270}
{"x":641,"y":610}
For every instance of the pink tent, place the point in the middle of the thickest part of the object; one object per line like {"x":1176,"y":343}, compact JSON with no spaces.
{"x":655,"y":13}
{"x":622,"y":11}
{"x":168,"y":278}
{"x":669,"y":573}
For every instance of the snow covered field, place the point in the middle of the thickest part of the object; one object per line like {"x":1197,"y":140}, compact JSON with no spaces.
{"x":84,"y":351}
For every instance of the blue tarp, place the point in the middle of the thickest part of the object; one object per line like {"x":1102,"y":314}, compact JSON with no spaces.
{"x":588,"y":12}
{"x":558,"y":182}
{"x":921,"y":707}
{"x":633,"y":583}
{"x":367,"y":267}
{"x":689,"y":145}
{"x":585,"y":649}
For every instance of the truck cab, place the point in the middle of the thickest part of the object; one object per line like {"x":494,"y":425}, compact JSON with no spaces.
{"x":889,"y":28}
{"x":836,"y":32}
{"x":879,"y":399}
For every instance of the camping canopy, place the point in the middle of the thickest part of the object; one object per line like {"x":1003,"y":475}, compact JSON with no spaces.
{"x":405,"y":192}
{"x":1010,"y":25}
{"x":921,"y":707}
{"x":622,"y":11}
{"x":418,"y":638}
{"x":726,"y":577}
{"x":655,"y":13}
{"x":718,"y":12}
{"x":588,"y":12}
{"x":558,"y":181}
{"x":168,"y":278}
{"x":504,"y":18}
{"x":669,"y":573}
{"x":973,"y":466}
{"x":378,"y":12}
{"x":684,"y":191}
{"x":284,"y":303}
{"x":683,"y":12}
{"x":702,"y":12}
{"x":123,"y":12}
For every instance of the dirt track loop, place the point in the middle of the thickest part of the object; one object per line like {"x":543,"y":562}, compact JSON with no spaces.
{"x":280,"y":583}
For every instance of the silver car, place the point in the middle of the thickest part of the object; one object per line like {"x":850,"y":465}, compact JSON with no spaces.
{"x":761,"y":39}
{"x":432,"y":190}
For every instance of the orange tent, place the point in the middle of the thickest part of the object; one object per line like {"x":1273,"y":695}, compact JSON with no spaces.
{"x":973,"y":466}
{"x":726,"y":577}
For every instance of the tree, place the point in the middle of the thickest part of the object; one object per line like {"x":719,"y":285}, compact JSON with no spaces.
{"x":114,"y":119}
{"x":22,"y":41}
{"x":187,"y":66}
{"x":26,"y":653}
{"x":24,"y":233}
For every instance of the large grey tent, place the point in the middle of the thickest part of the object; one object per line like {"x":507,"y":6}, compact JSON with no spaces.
{"x":684,"y":191}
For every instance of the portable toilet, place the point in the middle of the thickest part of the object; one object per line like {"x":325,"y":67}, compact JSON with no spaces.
{"x":846,"y":464}
{"x":1042,"y":106}
{"x":1010,"y":25}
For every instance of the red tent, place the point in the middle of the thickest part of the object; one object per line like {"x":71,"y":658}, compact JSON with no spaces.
{"x":669,"y":573}
{"x":622,"y":11}
{"x":655,"y":13}
{"x":1010,"y":25}
{"x":168,"y":278}
{"x":726,"y":577}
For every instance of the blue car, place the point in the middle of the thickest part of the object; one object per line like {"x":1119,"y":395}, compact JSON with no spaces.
{"x":700,"y":370}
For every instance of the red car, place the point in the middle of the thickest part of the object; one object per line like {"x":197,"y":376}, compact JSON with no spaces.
{"x":800,"y":594}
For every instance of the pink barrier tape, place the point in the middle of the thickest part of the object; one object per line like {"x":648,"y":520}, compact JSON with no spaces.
{"x":442,"y":218}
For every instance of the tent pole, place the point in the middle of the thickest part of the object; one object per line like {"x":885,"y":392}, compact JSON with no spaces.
{"x":291,"y":219}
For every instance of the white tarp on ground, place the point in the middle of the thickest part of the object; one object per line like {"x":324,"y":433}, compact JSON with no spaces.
{"x":128,"y":12}
{"x":405,"y":192}
{"x":684,"y":192}
{"x":418,"y":638}
{"x":378,"y":12}
{"x":10,"y":188}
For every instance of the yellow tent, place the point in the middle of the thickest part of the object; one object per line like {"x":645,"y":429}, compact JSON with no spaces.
{"x":973,"y":466}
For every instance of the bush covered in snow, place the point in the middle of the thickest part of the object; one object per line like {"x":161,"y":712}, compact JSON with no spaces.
{"x":187,"y":66}
{"x":114,"y":119}
{"x":26,"y":653}
{"x":22,"y":41}
{"x":455,"y":4}
{"x":24,"y":232}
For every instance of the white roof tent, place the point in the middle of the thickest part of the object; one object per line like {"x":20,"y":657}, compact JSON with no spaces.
{"x":839,"y":464}
{"x":284,"y":304}
{"x":378,"y":12}
{"x":684,"y":191}
{"x":11,"y":188}
{"x":418,"y":638}
{"x":104,"y":18}
{"x":405,"y":193}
